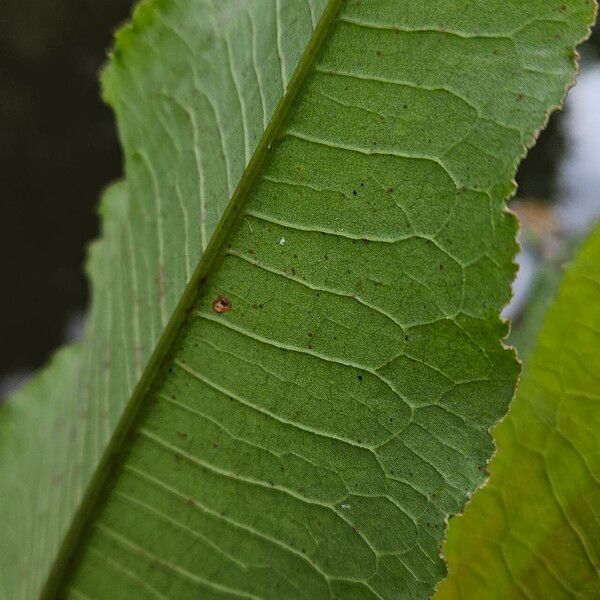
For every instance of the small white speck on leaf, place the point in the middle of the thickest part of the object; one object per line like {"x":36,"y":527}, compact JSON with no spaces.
{"x":282,"y":241}
{"x":346,"y":506}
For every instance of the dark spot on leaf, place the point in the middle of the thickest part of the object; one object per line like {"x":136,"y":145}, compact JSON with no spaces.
{"x":360,"y":377}
{"x":221,"y":305}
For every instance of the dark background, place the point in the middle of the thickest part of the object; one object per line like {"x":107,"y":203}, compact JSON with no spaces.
{"x":58,"y":149}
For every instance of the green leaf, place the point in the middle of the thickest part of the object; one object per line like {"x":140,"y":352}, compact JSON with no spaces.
{"x":534,"y":531}
{"x":294,"y":352}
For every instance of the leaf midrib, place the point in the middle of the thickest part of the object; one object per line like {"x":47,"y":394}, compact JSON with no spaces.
{"x":100,"y":483}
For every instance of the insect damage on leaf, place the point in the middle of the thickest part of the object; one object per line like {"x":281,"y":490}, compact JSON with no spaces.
{"x":221,"y":305}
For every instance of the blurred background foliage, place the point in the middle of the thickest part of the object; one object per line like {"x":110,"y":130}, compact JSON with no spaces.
{"x":58,"y":149}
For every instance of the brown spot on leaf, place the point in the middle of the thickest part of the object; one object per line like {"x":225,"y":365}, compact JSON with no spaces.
{"x":221,"y":305}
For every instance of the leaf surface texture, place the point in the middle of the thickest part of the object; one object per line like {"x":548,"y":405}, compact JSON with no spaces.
{"x":534,"y":531}
{"x":310,"y":440}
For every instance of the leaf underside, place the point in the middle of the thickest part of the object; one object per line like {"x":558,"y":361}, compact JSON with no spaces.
{"x":324,"y":403}
{"x":534,"y":531}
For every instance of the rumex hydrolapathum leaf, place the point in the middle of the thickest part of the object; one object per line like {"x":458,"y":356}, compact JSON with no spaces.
{"x":312,"y":439}
{"x":534,"y":532}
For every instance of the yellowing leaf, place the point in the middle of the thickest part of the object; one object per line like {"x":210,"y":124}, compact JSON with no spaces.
{"x":534,"y":531}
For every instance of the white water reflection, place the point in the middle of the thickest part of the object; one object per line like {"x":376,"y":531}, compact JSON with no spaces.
{"x":579,"y":173}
